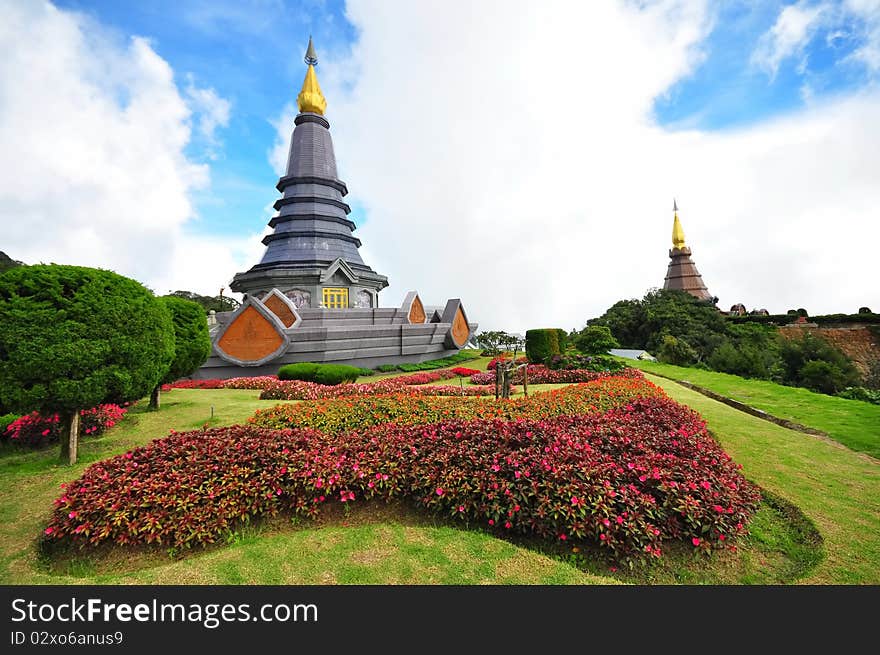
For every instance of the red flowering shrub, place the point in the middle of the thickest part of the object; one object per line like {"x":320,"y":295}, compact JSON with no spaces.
{"x":626,"y":479}
{"x":36,"y":431}
{"x":356,"y":412}
{"x":463,"y":372}
{"x":259,"y":382}
{"x":494,"y":363}
{"x":194,"y":384}
{"x":540,"y":374}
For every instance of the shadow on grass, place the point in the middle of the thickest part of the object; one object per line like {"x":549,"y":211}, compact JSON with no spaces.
{"x":783,"y":547}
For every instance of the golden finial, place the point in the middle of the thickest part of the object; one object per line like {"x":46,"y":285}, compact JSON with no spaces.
{"x":310,"y":99}
{"x":677,"y":232}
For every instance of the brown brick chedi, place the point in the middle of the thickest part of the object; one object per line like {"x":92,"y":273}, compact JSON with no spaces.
{"x":682,"y":274}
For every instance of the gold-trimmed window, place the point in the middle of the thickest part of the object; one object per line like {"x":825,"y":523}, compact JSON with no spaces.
{"x":335,"y":297}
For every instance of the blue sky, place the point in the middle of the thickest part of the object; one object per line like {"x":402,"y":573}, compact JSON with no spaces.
{"x":553,"y":131}
{"x":250,"y":53}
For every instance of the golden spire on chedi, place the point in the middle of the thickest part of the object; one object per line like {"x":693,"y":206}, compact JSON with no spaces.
{"x":310,"y":99}
{"x":677,"y":231}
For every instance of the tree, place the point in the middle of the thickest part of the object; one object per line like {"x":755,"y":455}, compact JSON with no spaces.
{"x":6,"y":262}
{"x":814,"y":363}
{"x":73,"y":337}
{"x":676,"y":351}
{"x":643,"y":323}
{"x":192,"y":342}
{"x":595,"y":340}
{"x":217,"y":303}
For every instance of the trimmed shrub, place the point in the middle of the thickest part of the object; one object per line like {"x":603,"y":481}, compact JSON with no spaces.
{"x":387,"y":368}
{"x":302,"y":371}
{"x":73,"y":337}
{"x":192,"y":342}
{"x":332,"y":374}
{"x":625,"y":480}
{"x":542,"y":344}
{"x":597,"y":363}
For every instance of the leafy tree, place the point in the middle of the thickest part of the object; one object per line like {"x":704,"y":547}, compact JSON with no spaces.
{"x":495,"y":341}
{"x":644,"y":323}
{"x":800,"y":365}
{"x":217,"y":303}
{"x":73,"y":337}
{"x":676,"y":351}
{"x":192,"y":342}
{"x":595,"y":340}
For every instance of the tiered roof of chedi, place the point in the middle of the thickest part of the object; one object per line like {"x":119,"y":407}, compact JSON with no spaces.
{"x":312,"y":298}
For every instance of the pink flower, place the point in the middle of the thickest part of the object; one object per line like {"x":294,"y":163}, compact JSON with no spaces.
{"x":619,"y":520}
{"x":563,"y":537}
{"x":461,"y":508}
{"x":283,"y":470}
{"x":507,"y":524}
{"x":45,"y":432}
{"x":574,"y":500}
{"x":491,"y":521}
{"x":49,"y":530}
{"x":72,"y":515}
{"x":695,"y":541}
{"x":603,"y":536}
{"x":439,"y":491}
{"x":718,"y":508}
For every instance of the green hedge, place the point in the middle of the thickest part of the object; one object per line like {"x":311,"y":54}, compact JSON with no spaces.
{"x":827,"y":319}
{"x":303,"y":371}
{"x":543,"y":343}
{"x":329,"y":374}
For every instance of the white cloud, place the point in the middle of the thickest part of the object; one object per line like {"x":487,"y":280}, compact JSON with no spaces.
{"x":93,"y":169}
{"x":506,"y":155}
{"x":792,"y":31}
{"x":868,"y":14}
{"x":213,"y":111}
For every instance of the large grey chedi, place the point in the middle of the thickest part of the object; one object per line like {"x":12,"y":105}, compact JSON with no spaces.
{"x":311,"y":298}
{"x":312,"y":245}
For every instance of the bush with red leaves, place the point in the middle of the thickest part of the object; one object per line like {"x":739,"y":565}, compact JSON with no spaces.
{"x":626,"y":479}
{"x":35,"y":431}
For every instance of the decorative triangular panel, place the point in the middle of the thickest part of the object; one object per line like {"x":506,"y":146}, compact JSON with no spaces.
{"x":339,"y":266}
{"x":283,"y":307}
{"x":459,"y":330}
{"x":413,"y":308}
{"x":253,"y":336}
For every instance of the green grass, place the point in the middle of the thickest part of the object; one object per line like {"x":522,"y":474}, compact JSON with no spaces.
{"x":836,"y":489}
{"x":853,"y":423}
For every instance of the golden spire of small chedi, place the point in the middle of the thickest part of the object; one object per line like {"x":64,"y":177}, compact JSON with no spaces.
{"x":677,"y":231}
{"x":310,"y":98}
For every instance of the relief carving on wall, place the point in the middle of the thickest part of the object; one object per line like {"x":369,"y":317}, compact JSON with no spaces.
{"x":300,"y":299}
{"x":364,"y":299}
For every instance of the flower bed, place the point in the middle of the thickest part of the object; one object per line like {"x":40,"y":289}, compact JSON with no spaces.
{"x":358,"y":412}
{"x":626,"y":479}
{"x":463,"y":372}
{"x":540,"y":374}
{"x":494,"y":363}
{"x":35,"y":431}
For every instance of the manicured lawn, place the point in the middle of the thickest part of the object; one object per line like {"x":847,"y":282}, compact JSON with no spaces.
{"x":837,"y":489}
{"x":853,"y":423}
{"x":387,"y":552}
